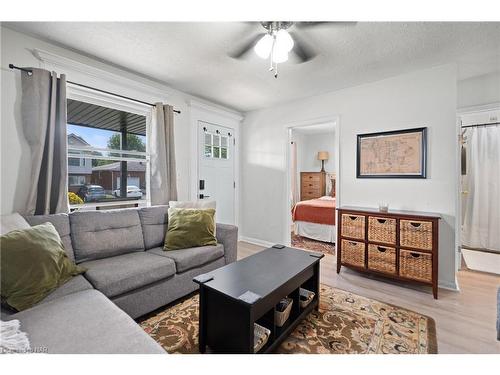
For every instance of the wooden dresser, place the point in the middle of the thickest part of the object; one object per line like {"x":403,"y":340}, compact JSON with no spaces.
{"x":312,"y":185}
{"x":402,"y":245}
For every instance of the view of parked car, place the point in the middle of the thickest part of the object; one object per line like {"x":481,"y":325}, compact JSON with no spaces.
{"x":91,"y":193}
{"x":132,"y":192}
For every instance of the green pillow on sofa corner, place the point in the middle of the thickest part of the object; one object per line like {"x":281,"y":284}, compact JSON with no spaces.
{"x":33,"y":263}
{"x":190,"y":227}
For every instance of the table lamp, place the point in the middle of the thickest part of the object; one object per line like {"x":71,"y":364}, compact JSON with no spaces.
{"x":323,"y":155}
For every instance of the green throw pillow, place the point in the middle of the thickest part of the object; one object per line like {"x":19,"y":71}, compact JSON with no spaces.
{"x":190,"y":227}
{"x":33,"y":263}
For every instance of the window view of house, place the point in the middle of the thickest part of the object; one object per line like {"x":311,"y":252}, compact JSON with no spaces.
{"x":99,"y":172}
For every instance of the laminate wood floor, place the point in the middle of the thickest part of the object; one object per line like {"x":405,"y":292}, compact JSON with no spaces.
{"x":465,"y":320}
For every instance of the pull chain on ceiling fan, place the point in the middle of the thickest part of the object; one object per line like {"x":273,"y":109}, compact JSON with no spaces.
{"x":277,"y":43}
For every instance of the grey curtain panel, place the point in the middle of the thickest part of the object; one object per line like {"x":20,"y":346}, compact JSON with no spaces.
{"x":163,"y":175}
{"x":43,"y":109}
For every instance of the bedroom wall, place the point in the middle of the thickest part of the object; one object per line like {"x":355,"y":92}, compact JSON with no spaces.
{"x":308,"y":152}
{"x":480,"y":90}
{"x":421,"y":98}
{"x":17,"y":48}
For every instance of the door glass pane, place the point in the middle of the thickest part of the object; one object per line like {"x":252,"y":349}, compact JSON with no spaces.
{"x":208,"y":139}
{"x":208,"y":151}
{"x":216,"y":152}
{"x":216,"y":140}
{"x":223,"y":141}
{"x":223,"y":153}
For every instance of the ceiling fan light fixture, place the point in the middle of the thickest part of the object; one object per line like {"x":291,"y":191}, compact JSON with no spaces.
{"x":284,"y":40}
{"x":264,"y":46}
{"x":280,"y":55}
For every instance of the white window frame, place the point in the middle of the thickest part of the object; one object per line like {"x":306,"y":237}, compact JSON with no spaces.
{"x":110,"y":101}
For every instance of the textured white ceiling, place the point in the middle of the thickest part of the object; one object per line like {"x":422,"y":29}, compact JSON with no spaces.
{"x":193,"y":57}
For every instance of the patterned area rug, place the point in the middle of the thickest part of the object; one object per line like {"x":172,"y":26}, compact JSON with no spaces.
{"x":345,"y":324}
{"x":309,"y":244}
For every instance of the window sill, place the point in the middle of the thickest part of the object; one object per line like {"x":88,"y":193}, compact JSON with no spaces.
{"x":96,"y":206}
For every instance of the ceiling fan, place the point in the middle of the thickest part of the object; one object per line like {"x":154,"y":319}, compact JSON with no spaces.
{"x":277,"y":42}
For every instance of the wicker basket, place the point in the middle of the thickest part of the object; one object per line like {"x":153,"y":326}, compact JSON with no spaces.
{"x":260,"y":337}
{"x":280,"y":317}
{"x":310,"y":296}
{"x":382,"y":259}
{"x":415,"y":265}
{"x":353,"y":226}
{"x":353,"y":253}
{"x":416,"y":234}
{"x":381,"y":229}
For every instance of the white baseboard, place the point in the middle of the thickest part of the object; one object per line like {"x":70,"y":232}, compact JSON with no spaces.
{"x":450,"y":285}
{"x":256,"y":241}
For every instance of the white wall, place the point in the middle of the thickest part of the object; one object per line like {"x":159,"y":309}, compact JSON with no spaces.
{"x":480,"y":90}
{"x":17,"y":48}
{"x":307,"y":152}
{"x":423,"y":98}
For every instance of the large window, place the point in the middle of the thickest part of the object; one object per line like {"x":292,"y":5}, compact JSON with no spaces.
{"x":107,"y":156}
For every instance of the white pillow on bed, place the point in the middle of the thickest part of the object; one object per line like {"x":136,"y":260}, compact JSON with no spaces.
{"x":327,"y":198}
{"x":192,"y":204}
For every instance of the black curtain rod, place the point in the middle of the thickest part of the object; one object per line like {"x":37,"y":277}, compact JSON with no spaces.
{"x":12,"y":66}
{"x":487,"y":124}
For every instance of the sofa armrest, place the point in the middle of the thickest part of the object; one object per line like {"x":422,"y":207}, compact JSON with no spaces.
{"x":227,"y":235}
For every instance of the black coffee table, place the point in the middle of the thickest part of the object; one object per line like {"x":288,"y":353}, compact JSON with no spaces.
{"x":228,"y":312}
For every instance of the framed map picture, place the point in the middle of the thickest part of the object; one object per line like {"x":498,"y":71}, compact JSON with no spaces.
{"x":394,"y":154}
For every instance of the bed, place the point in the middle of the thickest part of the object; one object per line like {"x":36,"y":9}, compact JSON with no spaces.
{"x":315,"y":218}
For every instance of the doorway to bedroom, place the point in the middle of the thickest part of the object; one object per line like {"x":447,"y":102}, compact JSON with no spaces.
{"x":312,"y":186}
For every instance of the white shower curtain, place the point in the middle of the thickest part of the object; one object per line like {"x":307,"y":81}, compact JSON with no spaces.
{"x":481,"y":224}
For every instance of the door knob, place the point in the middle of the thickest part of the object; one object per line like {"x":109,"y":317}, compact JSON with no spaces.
{"x":204,"y":196}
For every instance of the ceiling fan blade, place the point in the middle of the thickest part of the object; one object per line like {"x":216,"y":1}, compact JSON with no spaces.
{"x":302,"y":49}
{"x":245,"y":47}
{"x":312,"y":24}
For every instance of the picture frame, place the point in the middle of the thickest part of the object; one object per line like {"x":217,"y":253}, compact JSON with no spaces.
{"x":392,"y":154}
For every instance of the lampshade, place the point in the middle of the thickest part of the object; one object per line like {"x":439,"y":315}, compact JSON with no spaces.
{"x":323,"y":155}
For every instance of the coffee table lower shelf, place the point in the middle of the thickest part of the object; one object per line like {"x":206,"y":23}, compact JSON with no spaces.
{"x":282,"y":333}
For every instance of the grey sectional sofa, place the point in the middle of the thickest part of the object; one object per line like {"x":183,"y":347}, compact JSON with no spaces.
{"x":128,"y":275}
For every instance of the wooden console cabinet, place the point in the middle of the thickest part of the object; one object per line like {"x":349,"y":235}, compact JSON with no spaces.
{"x":402,"y":245}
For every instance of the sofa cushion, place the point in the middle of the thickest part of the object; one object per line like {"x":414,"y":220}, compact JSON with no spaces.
{"x":76,"y":284}
{"x":193,"y":257}
{"x":33,"y":264}
{"x":190,"y":227}
{"x":193,"y":204}
{"x":154,"y":222}
{"x":12,"y":222}
{"x":101,"y":234}
{"x":84,"y":322}
{"x":61,"y":223}
{"x":116,"y":275}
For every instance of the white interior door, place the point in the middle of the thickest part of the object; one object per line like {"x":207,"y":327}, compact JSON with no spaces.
{"x":216,"y":169}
